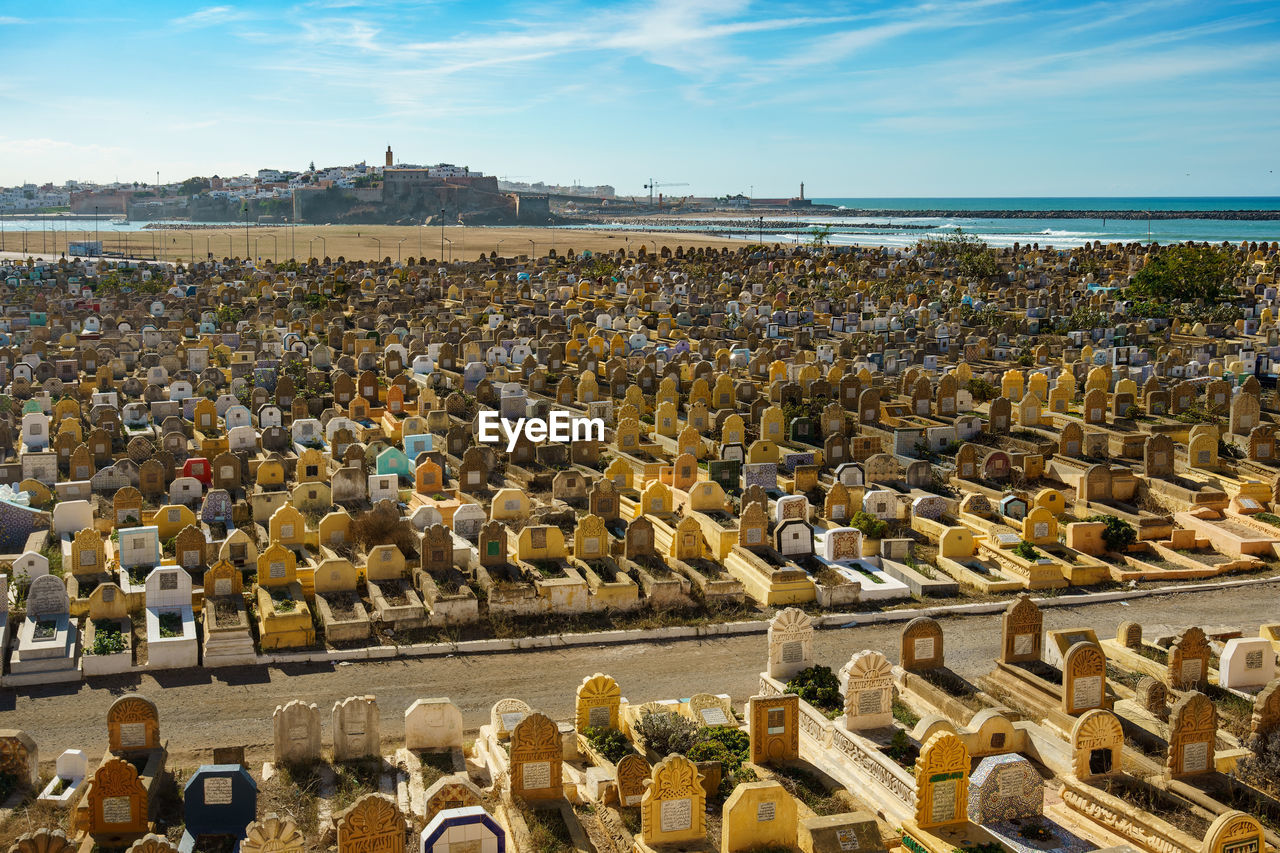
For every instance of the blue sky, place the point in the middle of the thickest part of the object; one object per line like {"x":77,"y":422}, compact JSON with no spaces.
{"x":903,"y":98}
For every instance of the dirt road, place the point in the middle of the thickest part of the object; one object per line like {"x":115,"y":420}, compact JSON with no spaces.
{"x":199,"y":711}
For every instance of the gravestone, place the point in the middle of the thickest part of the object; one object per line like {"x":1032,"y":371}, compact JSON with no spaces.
{"x":942,"y":781}
{"x":774,"y":727}
{"x":1005,"y":787}
{"x":633,"y":777}
{"x":1097,"y":742}
{"x":756,"y":815}
{"x":790,"y":643}
{"x":1083,"y":678}
{"x":218,"y":800}
{"x":1193,"y":732}
{"x":469,"y":829}
{"x":1021,"y":630}
{"x":921,"y":645}
{"x":598,"y":699}
{"x":673,"y":808}
{"x":432,"y":724}
{"x":1188,"y":659}
{"x":355,"y":727}
{"x":372,"y":824}
{"x":536,"y":753}
{"x":133,"y":725}
{"x":1246,"y":662}
{"x":505,"y":715}
{"x":297,"y":732}
{"x":272,"y":834}
{"x":868,"y":691}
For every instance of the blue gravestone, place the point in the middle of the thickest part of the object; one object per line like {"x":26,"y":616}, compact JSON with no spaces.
{"x":470,"y":828}
{"x":219,"y":799}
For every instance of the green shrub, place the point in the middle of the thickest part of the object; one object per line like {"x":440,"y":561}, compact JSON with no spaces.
{"x":731,"y":747}
{"x":871,"y":527}
{"x":667,"y":734}
{"x":1119,"y":534}
{"x":1026,"y":550}
{"x":107,"y":638}
{"x":610,"y":743}
{"x":818,"y":686}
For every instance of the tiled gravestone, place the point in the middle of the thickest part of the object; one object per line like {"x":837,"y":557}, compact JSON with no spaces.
{"x":942,"y":781}
{"x":673,"y":809}
{"x":794,"y":538}
{"x":450,"y":792}
{"x":218,"y":800}
{"x":1005,"y":787}
{"x":841,"y":544}
{"x":1021,"y":631}
{"x":790,"y":643}
{"x":633,"y":776}
{"x":774,"y":723}
{"x":297,"y":732}
{"x":597,"y":703}
{"x":1193,"y":732}
{"x":1246,"y":663}
{"x":1189,"y":661}
{"x":756,"y":815}
{"x":1083,"y":678}
{"x":133,"y":725}
{"x":469,"y":829}
{"x":116,"y":803}
{"x":868,"y":691}
{"x":921,"y":646}
{"x":432,"y":724}
{"x":372,"y":824}
{"x":536,"y":752}
{"x":272,"y":834}
{"x":355,"y":728}
{"x":1097,"y":742}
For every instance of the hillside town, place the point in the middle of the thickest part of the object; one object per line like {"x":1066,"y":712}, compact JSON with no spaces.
{"x":214,"y":469}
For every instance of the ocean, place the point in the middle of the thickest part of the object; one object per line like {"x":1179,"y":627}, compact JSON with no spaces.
{"x":1062,"y":232}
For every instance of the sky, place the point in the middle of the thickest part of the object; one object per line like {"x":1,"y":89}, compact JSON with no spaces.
{"x":894,"y":98}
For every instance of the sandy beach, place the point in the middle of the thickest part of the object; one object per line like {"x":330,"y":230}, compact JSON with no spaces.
{"x":364,"y":242}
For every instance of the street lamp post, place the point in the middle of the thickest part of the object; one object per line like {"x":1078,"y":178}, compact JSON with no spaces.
{"x":275,"y":246}
{"x":497,"y":250}
{"x":450,"y":242}
{"x":442,"y":234}
{"x":247,"y":255}
{"x":379,"y":242}
{"x":398,"y":244}
{"x":322,"y":246}
{"x":192,"y":235}
{"x":97,"y":245}
{"x":533,"y":250}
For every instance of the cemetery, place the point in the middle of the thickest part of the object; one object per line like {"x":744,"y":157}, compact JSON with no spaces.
{"x":264,"y":465}
{"x":885,"y":755}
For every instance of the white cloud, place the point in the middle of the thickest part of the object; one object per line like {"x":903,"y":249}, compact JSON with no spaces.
{"x":211,"y":16}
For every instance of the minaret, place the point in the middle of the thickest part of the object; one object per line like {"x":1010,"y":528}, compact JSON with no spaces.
{"x":389,"y":157}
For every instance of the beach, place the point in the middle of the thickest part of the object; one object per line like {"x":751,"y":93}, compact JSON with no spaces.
{"x":362,"y":242}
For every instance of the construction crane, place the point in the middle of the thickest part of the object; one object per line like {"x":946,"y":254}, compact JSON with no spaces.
{"x":652,"y":185}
